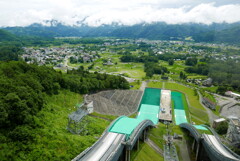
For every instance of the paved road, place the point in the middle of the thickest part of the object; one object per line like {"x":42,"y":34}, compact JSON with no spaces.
{"x":143,"y":86}
{"x":211,"y":115}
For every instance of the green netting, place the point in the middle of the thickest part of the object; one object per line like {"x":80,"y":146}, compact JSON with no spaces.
{"x":125,"y":125}
{"x":200,"y":127}
{"x":179,"y":112}
{"x":180,"y":116}
{"x":149,"y":109}
{"x":177,"y":99}
{"x":148,"y":112}
{"x":151,"y":96}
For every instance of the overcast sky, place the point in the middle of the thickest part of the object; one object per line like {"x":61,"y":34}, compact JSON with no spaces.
{"x":127,"y":12}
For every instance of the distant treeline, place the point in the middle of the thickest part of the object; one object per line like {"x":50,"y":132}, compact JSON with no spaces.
{"x":151,"y":58}
{"x":225,"y":73}
{"x":138,"y":59}
{"x":151,"y":65}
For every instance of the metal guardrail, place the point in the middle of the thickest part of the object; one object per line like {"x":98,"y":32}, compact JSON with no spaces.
{"x":211,"y":150}
{"x":219,"y":140}
{"x":78,"y":157}
{"x":137,"y":132}
{"x":82,"y":154}
{"x":213,"y":153}
{"x":192,"y":130}
{"x":117,"y":151}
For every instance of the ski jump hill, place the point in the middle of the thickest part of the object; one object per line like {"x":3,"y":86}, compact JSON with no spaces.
{"x":124,"y":133}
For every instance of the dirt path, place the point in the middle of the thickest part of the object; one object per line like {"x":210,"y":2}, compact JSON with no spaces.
{"x":143,"y":86}
{"x":154,"y":146}
{"x":163,"y":85}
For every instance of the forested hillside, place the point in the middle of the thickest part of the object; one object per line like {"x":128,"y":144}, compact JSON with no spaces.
{"x":222,"y":32}
{"x":7,"y":36}
{"x":24,"y":93}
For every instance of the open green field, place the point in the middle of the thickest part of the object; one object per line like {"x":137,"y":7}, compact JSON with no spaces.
{"x":176,"y":68}
{"x":211,"y":89}
{"x":133,"y":70}
{"x":135,"y":85}
{"x":145,"y":153}
{"x":155,"y":84}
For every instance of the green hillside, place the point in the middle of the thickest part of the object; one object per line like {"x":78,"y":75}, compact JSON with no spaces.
{"x":7,"y":36}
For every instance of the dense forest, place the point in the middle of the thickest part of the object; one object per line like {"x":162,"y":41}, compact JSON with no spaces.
{"x":23,"y":92}
{"x":23,"y":87}
{"x":225,"y":74}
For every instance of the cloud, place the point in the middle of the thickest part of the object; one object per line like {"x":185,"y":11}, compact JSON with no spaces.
{"x":127,"y":12}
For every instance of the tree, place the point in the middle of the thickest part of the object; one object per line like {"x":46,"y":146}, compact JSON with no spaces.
{"x":170,"y":62}
{"x":191,"y":61}
{"x":222,"y":89}
{"x":222,"y":128}
{"x":182,"y":75}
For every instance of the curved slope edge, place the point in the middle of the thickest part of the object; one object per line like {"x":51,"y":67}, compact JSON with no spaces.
{"x":215,"y":149}
{"x":110,"y":145}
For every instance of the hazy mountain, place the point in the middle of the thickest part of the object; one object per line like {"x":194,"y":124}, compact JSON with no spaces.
{"x":7,"y":36}
{"x":223,"y":32}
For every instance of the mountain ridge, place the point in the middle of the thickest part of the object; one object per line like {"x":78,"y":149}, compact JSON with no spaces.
{"x":216,"y":32}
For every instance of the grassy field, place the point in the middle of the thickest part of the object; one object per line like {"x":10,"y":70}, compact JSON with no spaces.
{"x":135,"y":85}
{"x":155,"y":84}
{"x":133,"y":70}
{"x":211,"y":89}
{"x":145,"y":153}
{"x":156,"y":134}
{"x":177,"y":67}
